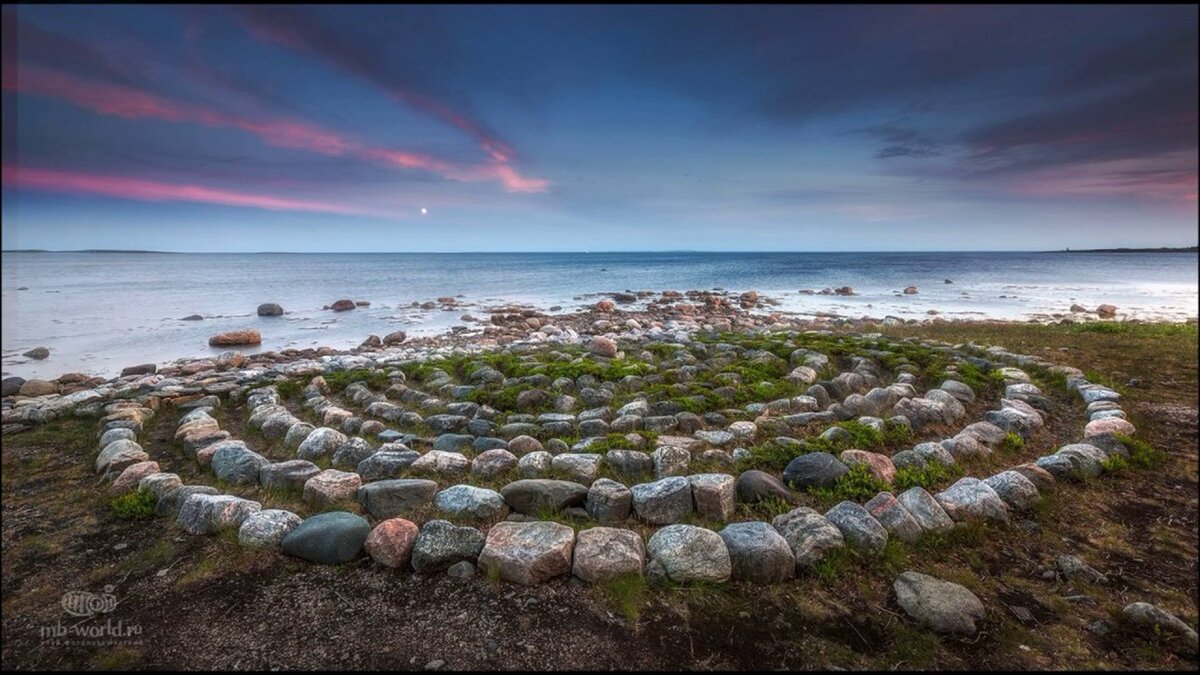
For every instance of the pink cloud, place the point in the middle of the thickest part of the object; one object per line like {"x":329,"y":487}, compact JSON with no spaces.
{"x":48,"y":180}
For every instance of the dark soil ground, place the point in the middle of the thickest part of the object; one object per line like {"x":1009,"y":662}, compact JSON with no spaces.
{"x":204,"y":602}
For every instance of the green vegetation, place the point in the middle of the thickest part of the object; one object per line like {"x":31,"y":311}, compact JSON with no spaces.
{"x":625,"y":594}
{"x":1012,"y":442}
{"x":339,"y":380}
{"x":289,"y":389}
{"x":932,"y":476}
{"x":857,"y":485}
{"x":136,"y":505}
{"x":1142,"y":455}
{"x":622,"y":442}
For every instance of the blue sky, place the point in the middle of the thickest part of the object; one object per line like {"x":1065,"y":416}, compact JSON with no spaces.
{"x":599,"y":128}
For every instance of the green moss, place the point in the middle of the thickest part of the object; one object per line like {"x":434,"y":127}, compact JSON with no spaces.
{"x":289,"y":389}
{"x":340,"y":379}
{"x":932,"y":476}
{"x":136,"y":505}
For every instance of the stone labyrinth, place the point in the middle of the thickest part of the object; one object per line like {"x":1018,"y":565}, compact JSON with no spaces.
{"x":747,"y":457}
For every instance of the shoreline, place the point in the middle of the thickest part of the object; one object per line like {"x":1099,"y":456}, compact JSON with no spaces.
{"x":617,"y":315}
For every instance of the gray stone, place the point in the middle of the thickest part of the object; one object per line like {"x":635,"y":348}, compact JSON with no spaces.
{"x":687,"y":554}
{"x":113,"y":435}
{"x":808,"y":534}
{"x":535,"y":464}
{"x":327,"y":538}
{"x":289,"y":475}
{"x":609,"y":502}
{"x":330,"y":487}
{"x":754,"y":486}
{"x":159,"y":484}
{"x":296,"y":435}
{"x":448,"y":464}
{"x":663,"y":501}
{"x":670,"y":461}
{"x":468,"y":501}
{"x":758,"y":553}
{"x":528,"y":553}
{"x":208,"y":514}
{"x":320,"y":442}
{"x":119,"y":454}
{"x":925,"y":510}
{"x":237,"y":465}
{"x":442,"y":544}
{"x":386,"y":464}
{"x":534,"y":495}
{"x":350,"y":453}
{"x":972,"y":499}
{"x":398,"y":496}
{"x":959,"y":390}
{"x":815,"y":469}
{"x":894,"y":517}
{"x":580,"y":467}
{"x":1075,"y":569}
{"x":1158,"y":620}
{"x":491,"y":463}
{"x":172,"y":500}
{"x":1017,"y":491}
{"x":859,"y":528}
{"x":266,"y":529}
{"x":713,"y":495}
{"x":630,"y":463}
{"x":943,"y":606}
{"x":603,"y":553}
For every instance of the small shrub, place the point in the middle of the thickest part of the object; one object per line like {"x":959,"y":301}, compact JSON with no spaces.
{"x":625,"y":594}
{"x":136,"y":505}
{"x":1012,"y":442}
{"x":339,"y":380}
{"x":1142,"y":455}
{"x":857,"y":485}
{"x":288,"y":389}
{"x":932,"y":475}
{"x":1115,"y":464}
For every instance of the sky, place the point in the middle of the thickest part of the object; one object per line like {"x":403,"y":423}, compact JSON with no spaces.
{"x":592,"y":128}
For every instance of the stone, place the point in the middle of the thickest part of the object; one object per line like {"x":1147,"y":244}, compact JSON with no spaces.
{"x":289,"y":475}
{"x":37,"y":387}
{"x":270,"y":309}
{"x":959,"y":390}
{"x":461,"y":570}
{"x":609,"y":502}
{"x":395,"y":337}
{"x":815,"y":469}
{"x":758,"y":553}
{"x":391,"y":542}
{"x":523,"y":445}
{"x":441,"y":544}
{"x":629,"y":463}
{"x":118,"y":455}
{"x":926,"y":510}
{"x":140,"y":369}
{"x":172,"y":500}
{"x":580,"y":467}
{"x":809,"y":534}
{"x":1017,"y":491}
{"x":663,"y":501}
{"x":386,"y":464}
{"x":533,"y":495}
{"x":321,"y":442}
{"x":713,"y":495}
{"x":1041,"y":479}
{"x":329,"y":538}
{"x":209,"y":513}
{"x":159,"y":484}
{"x":859,"y":528}
{"x":602,"y":346}
{"x":38,"y":353}
{"x":1108,"y":425}
{"x":397,"y":496}
{"x":441,"y":463}
{"x":754,"y":486}
{"x":342,"y":305}
{"x":296,"y":434}
{"x":130,"y":477}
{"x":1106,"y":311}
{"x":670,"y":461}
{"x":943,"y":606}
{"x":894,"y":518}
{"x":468,"y":501}
{"x":235,"y":338}
{"x":117,"y":435}
{"x":604,"y":553}
{"x":330,"y":487}
{"x":535,"y":464}
{"x":1148,"y":616}
{"x":266,"y":529}
{"x":1075,"y":569}
{"x":11,"y":386}
{"x":972,"y":499}
{"x":237,"y":465}
{"x":880,"y":466}
{"x":491,"y":463}
{"x":350,"y":453}
{"x":528,"y":553}
{"x":687,"y":554}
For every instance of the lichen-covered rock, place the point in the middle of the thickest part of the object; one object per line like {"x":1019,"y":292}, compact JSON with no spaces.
{"x":391,"y":542}
{"x":670,"y":461}
{"x":132,"y":476}
{"x":880,"y":466}
{"x":118,"y":455}
{"x":468,"y":501}
{"x":713,"y":495}
{"x":609,"y":502}
{"x":603,"y":553}
{"x":972,"y":499}
{"x":441,"y":544}
{"x":1017,"y":491}
{"x":943,"y":606}
{"x":397,"y":496}
{"x":237,"y":464}
{"x":207,"y":514}
{"x":289,"y":475}
{"x":808,"y":534}
{"x":159,"y":484}
{"x":663,"y":501}
{"x":758,"y":553}
{"x":687,"y":554}
{"x":386,"y":464}
{"x":329,"y":538}
{"x":1145,"y":615}
{"x":320,"y":442}
{"x":896,"y":519}
{"x":494,"y":462}
{"x":436,"y":462}
{"x":330,"y":487}
{"x":535,"y":464}
{"x":926,"y":510}
{"x":350,"y":453}
{"x":580,"y":467}
{"x":266,"y":529}
{"x":172,"y":500}
{"x":859,"y":528}
{"x":528,"y":553}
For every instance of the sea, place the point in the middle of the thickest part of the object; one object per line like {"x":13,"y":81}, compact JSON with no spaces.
{"x":98,"y":312}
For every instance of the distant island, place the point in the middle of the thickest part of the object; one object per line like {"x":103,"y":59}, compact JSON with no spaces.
{"x":1161,"y":249}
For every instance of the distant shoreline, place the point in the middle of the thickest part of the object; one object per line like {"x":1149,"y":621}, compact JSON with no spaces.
{"x":1162,"y":249}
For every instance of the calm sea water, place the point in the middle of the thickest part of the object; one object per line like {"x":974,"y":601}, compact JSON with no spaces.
{"x":99,"y":312}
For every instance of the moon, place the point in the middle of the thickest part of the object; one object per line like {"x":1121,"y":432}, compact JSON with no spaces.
{"x":424,"y":210}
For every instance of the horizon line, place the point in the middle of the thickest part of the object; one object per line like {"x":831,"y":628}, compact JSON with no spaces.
{"x":1061,"y":250}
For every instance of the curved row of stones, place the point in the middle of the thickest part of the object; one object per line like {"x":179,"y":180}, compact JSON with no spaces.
{"x":525,"y":550}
